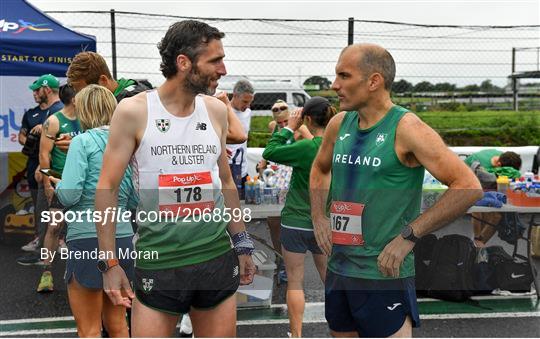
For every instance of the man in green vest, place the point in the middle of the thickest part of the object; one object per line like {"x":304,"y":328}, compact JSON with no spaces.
{"x":373,"y":157}
{"x":59,"y":125}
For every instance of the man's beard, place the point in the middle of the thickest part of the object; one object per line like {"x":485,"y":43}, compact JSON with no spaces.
{"x":197,"y":83}
{"x":41,"y":99}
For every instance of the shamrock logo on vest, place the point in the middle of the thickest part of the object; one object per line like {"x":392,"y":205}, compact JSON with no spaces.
{"x":163,"y":125}
{"x":381,"y":137}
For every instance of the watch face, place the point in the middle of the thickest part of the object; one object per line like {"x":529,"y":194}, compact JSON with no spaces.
{"x":406,"y":232}
{"x":102,"y":266}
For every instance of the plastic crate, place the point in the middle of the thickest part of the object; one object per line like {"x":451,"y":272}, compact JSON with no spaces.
{"x":519,"y":198}
{"x":259,"y":293}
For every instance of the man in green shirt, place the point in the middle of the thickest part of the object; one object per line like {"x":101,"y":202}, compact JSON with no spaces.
{"x":57,"y":126}
{"x":373,"y":157}
{"x":90,"y":68}
{"x":491,"y":160}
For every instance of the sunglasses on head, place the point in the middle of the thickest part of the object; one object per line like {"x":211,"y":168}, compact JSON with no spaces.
{"x":280,"y":108}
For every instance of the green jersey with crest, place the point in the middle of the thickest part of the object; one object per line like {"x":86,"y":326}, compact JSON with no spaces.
{"x":373,"y":196}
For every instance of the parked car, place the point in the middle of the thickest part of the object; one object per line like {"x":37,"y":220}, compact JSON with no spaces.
{"x":268,"y":92}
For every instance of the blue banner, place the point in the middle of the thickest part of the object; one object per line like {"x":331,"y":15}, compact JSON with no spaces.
{"x":32,"y":43}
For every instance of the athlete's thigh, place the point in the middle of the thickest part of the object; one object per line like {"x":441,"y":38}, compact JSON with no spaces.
{"x":294,"y":265}
{"x":405,"y":331}
{"x":147,"y":322}
{"x":86,"y":305}
{"x":219,"y":321}
{"x":321,"y":263}
{"x":335,"y":334}
{"x":114,"y":318}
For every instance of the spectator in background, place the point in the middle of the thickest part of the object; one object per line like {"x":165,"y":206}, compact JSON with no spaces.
{"x":88,"y":302}
{"x":45,"y":92}
{"x":280,"y":113}
{"x":57,"y":126}
{"x":498,"y":163}
{"x":493,"y":158}
{"x":242,"y":98}
{"x":90,"y":68}
{"x":297,"y":229}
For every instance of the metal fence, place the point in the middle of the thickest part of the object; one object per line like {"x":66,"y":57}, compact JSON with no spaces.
{"x":295,"y":50}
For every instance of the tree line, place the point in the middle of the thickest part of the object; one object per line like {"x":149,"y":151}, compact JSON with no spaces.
{"x":404,"y":86}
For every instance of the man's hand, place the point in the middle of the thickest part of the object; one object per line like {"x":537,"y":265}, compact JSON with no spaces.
{"x":295,"y":119}
{"x":63,"y":142}
{"x":323,"y":234}
{"x":391,"y":258}
{"x":36,"y":129}
{"x":223,"y":97}
{"x":55,"y":180}
{"x":247,"y":269}
{"x":114,"y":281}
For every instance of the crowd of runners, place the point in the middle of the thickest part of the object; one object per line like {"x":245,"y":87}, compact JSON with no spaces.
{"x":180,"y":149}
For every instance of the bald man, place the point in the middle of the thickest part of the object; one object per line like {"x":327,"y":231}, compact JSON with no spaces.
{"x":374,"y":154}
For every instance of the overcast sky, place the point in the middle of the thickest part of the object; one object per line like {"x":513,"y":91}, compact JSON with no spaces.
{"x":461,"y":56}
{"x":454,"y":12}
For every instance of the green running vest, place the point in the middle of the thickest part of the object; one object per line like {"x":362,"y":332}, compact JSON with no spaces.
{"x":66,"y":126}
{"x":366,"y":170}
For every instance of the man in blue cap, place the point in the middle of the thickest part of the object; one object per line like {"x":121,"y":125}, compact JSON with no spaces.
{"x":45,"y":91}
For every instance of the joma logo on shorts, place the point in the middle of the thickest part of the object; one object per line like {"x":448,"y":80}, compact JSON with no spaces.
{"x":187,"y":180}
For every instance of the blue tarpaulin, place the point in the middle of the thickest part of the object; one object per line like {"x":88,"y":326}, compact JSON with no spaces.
{"x":32,"y":43}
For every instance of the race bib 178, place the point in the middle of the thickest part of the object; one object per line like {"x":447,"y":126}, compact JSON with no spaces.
{"x":187,"y":193}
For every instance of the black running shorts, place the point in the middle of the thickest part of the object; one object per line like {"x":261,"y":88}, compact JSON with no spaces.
{"x":201,"y":286}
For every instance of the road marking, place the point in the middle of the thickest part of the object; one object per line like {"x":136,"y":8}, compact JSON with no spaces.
{"x":35,"y":320}
{"x":314,"y":313}
{"x":38,"y":332}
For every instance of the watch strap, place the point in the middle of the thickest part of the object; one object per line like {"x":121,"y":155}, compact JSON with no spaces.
{"x":112,"y":263}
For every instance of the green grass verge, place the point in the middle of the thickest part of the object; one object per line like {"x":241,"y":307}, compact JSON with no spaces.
{"x":476,"y":128}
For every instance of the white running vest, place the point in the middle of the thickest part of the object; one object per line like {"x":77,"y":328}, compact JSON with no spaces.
{"x":178,"y":159}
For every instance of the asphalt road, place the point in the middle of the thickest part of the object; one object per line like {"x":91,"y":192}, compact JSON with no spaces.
{"x":22,"y":310}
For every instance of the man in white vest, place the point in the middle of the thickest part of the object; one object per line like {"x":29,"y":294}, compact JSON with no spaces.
{"x":175,"y":137}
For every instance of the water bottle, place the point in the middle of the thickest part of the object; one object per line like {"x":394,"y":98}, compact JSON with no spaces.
{"x":257,"y":185}
{"x":249,"y":190}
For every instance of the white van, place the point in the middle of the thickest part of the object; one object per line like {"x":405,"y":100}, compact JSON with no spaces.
{"x":267,"y":93}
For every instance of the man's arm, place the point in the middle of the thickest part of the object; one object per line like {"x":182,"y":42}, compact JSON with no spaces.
{"x":24,"y":129}
{"x":219,"y":120}
{"x":120,"y":147}
{"x":235,"y":130}
{"x":428,"y":149}
{"x":319,"y":184}
{"x":418,"y":144}
{"x":51,"y":126}
{"x":218,"y":113}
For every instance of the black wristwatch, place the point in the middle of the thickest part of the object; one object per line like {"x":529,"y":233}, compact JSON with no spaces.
{"x":104,"y":265}
{"x":408,"y":234}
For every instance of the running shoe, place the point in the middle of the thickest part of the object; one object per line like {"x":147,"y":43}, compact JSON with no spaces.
{"x":22,"y":212}
{"x":32,"y":258}
{"x":186,"y":330}
{"x":31,"y":246}
{"x":46,"y":282}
